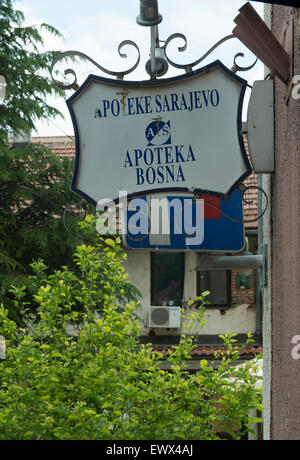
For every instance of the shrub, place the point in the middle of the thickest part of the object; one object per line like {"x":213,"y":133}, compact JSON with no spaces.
{"x":101,"y":383}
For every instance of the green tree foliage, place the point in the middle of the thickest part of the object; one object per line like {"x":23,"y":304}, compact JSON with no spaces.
{"x":35,"y":190}
{"x":25,"y":68}
{"x":101,"y":383}
{"x":34,"y":183}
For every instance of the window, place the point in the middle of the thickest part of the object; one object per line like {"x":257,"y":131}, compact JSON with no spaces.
{"x":218,"y":283}
{"x":167,"y":278}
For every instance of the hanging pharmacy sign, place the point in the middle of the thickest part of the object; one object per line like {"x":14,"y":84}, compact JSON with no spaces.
{"x":180,"y":134}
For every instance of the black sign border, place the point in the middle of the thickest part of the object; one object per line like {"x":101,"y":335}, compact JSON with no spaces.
{"x":153,"y":83}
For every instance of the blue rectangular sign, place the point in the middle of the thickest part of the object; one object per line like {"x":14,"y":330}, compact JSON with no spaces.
{"x":221,"y":221}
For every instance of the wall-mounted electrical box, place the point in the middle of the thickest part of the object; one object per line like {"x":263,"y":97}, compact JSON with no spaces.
{"x":242,"y":282}
{"x":260,"y":126}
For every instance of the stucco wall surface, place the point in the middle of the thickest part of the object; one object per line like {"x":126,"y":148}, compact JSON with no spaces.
{"x":240,"y":319}
{"x":285,"y":391}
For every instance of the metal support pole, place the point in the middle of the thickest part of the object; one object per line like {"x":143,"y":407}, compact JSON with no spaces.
{"x":209,"y":262}
{"x":154,"y":45}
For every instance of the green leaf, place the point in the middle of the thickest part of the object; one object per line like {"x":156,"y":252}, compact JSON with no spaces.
{"x":110,"y":242}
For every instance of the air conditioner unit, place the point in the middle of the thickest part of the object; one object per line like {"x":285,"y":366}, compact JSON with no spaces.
{"x":167,"y":317}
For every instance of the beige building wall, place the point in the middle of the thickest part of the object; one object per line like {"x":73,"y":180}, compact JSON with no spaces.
{"x":240,"y":318}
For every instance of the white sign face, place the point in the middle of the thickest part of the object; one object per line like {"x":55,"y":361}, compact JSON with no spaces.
{"x":178,"y":134}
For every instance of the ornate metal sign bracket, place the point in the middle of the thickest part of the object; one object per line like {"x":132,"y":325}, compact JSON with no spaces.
{"x":72,"y":54}
{"x":159,"y":61}
{"x":189,"y":67}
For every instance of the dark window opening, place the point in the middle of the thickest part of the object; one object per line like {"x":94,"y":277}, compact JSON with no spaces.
{"x":167,"y":278}
{"x":218,"y":283}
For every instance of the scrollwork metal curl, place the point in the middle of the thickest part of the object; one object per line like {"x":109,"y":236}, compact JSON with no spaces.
{"x":76,"y":213}
{"x":189,"y":67}
{"x":74,"y":84}
{"x":237,"y":68}
{"x":243,"y":190}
